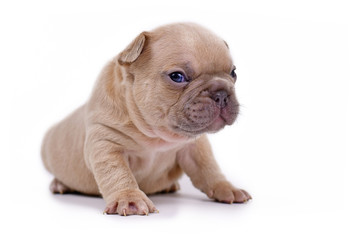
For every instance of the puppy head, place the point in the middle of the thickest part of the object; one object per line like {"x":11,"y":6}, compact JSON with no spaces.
{"x":182,"y":80}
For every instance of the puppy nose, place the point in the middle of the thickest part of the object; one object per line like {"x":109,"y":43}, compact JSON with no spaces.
{"x":221,"y":98}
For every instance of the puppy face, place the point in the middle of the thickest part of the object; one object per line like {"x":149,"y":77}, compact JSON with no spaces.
{"x":183,"y":80}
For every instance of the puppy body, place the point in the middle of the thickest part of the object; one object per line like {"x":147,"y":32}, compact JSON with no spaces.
{"x":140,"y":130}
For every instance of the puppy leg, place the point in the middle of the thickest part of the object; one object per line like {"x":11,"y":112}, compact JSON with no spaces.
{"x":58,"y":187}
{"x":116,"y":181}
{"x":173,"y":188}
{"x":197,"y":161}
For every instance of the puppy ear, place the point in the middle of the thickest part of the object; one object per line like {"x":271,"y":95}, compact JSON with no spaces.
{"x":133,"y":50}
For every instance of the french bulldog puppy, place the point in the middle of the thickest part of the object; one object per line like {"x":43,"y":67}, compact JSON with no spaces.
{"x":146,"y":123}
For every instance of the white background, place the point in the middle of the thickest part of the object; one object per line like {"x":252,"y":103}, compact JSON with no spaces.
{"x":295,"y":147}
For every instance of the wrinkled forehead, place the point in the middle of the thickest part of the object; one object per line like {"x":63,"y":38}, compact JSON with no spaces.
{"x":198,"y":47}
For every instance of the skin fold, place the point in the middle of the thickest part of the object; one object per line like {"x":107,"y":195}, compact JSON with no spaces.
{"x":142,"y":127}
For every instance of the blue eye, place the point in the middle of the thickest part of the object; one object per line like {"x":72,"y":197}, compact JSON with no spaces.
{"x":177,"y":77}
{"x":233,"y":74}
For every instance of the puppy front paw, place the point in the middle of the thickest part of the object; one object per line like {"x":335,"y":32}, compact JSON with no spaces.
{"x":131,"y":202}
{"x":226,"y":193}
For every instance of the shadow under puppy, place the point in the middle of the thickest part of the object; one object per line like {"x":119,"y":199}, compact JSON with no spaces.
{"x":146,"y":123}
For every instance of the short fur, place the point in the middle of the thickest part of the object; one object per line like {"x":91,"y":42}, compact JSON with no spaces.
{"x":140,"y":131}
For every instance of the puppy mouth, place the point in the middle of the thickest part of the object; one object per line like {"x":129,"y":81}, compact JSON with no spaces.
{"x":218,"y":123}
{"x":202,"y":117}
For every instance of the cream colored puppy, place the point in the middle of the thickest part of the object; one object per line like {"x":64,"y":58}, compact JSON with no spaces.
{"x":146,"y":123}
